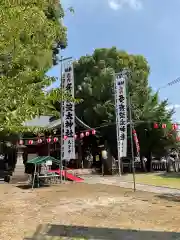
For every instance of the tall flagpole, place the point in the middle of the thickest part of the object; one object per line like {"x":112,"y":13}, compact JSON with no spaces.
{"x":131,"y":126}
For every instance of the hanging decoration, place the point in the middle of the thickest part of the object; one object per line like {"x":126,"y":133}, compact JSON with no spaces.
{"x":136,"y":141}
{"x":39,"y":140}
{"x":164,"y":126}
{"x":121,"y":112}
{"x":30,"y":142}
{"x":87,"y":134}
{"x":21,"y":142}
{"x":68,"y":116}
{"x":178,"y":138}
{"x":81,"y":135}
{"x":55,"y":139}
{"x":175,"y":126}
{"x":65,"y":137}
{"x":156,"y":125}
{"x":93,"y":132}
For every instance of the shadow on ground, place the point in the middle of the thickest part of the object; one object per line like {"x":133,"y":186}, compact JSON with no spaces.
{"x":169,"y":175}
{"x":52,"y":232}
{"x":26,"y":186}
{"x":170,"y":197}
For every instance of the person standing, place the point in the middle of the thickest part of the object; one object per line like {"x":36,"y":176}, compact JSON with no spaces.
{"x":144,"y":163}
{"x":173,"y":160}
{"x":104,"y":156}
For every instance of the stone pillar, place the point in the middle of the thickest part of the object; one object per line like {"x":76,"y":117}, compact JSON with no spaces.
{"x":19,"y":170}
{"x":20,"y":156}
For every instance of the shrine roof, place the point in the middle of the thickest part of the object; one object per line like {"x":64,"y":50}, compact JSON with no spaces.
{"x":78,"y":122}
{"x":41,"y":121}
{"x":44,"y":121}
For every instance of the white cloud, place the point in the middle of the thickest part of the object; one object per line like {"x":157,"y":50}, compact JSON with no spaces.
{"x":114,"y":5}
{"x":173,"y":106}
{"x":118,"y":4}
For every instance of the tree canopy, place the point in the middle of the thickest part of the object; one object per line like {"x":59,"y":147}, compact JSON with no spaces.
{"x":94,"y":84}
{"x":31,"y":33}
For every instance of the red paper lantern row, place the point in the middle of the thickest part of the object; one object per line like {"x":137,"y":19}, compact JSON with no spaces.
{"x":174,"y":126}
{"x":55,"y":139}
{"x":30,"y":142}
{"x":82,"y":135}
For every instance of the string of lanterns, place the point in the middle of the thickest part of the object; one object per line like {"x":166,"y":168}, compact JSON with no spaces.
{"x":56,"y":139}
{"x":164,"y":126}
{"x":85,"y":134}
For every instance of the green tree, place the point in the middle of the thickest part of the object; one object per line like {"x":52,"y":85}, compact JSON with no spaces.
{"x":31,"y":33}
{"x":94,"y":84}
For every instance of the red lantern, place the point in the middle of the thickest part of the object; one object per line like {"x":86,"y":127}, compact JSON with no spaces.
{"x":39,"y":140}
{"x":49,"y":140}
{"x":163,"y":125}
{"x":93,"y":132}
{"x":30,"y":142}
{"x":75,"y":136}
{"x":87,"y":134}
{"x":81,"y":135}
{"x":65,"y":137}
{"x":21,"y":142}
{"x":134,"y":131}
{"x":55,"y":139}
{"x":156,"y":125}
{"x":174,"y":126}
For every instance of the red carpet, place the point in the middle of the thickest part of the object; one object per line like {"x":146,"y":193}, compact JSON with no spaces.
{"x":67,"y":175}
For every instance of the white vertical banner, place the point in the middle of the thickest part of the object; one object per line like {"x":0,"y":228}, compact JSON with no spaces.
{"x":62,"y":118}
{"x":121,"y":113}
{"x":68,"y":117}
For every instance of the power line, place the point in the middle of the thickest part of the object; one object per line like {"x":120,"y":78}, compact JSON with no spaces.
{"x":113,"y":123}
{"x":177,"y":80}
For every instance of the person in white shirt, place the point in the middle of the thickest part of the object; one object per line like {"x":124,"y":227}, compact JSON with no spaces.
{"x":104,"y":156}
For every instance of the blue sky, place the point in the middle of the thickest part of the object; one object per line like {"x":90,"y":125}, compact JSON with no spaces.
{"x":147,"y":27}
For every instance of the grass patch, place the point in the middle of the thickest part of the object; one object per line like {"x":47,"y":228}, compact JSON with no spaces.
{"x":171,"y":180}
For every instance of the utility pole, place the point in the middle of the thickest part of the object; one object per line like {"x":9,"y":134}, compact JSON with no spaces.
{"x":131,"y":124}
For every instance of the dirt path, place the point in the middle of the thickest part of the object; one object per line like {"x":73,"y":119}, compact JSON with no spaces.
{"x":87,"y":210}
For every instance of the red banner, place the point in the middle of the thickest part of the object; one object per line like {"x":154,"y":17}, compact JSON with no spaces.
{"x":136,"y":141}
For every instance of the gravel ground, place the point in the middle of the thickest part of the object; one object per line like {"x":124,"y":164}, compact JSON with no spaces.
{"x":89,"y":211}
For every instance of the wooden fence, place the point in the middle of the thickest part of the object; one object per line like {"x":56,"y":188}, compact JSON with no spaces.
{"x":156,"y":166}
{"x":159,"y":166}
